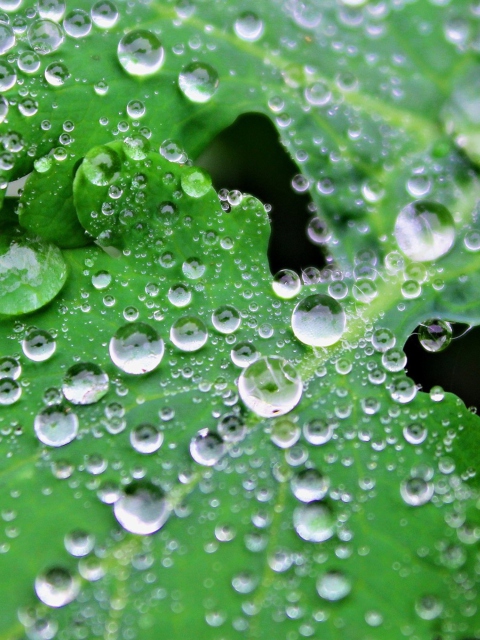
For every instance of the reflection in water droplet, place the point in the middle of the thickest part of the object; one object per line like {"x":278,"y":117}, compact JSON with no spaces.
{"x":142,"y":509}
{"x":3,"y":108}
{"x":136,"y":348}
{"x":416,"y":491}
{"x":285,"y":433}
{"x":193,"y":268}
{"x":226,"y":319}
{"x":382,"y":340}
{"x":56,"y":74}
{"x":7,"y":38}
{"x":248,"y":26}
{"x":10,"y":368}
{"x":38,"y":345}
{"x":140,"y":52}
{"x":55,"y":426}
{"x":146,"y":438}
{"x":424,"y":231}
{"x":101,"y":280}
{"x":104,"y":14}
{"x":10,"y":391}
{"x":428,"y":607}
{"x":56,"y":587}
{"x":195,"y":182}
{"x":207,"y":447}
{"x":318,"y":320}
{"x":8,"y":77}
{"x":180,"y":295}
{"x":435,"y":335}
{"x":85,"y":383}
{"x":188,"y":333}
{"x":286,"y":284}
{"x":318,"y":432}
{"x":51,"y":9}
{"x":45,"y":36}
{"x":309,"y":485}
{"x":270,"y":387}
{"x":77,"y":23}
{"x":102,"y":166}
{"x":243,"y":354}
{"x":415,"y":433}
{"x":333,"y":586}
{"x":79,"y":543}
{"x":314,"y":522}
{"x":198,"y":81}
{"x":232,"y":428}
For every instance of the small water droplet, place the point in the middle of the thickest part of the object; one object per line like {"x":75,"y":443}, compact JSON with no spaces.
{"x":136,"y":348}
{"x":314,"y":522}
{"x":309,"y":485}
{"x":195,"y":182}
{"x":248,"y":26}
{"x":55,"y":426}
{"x":243,"y":354}
{"x":146,"y":438}
{"x":79,"y":543}
{"x":318,"y":431}
{"x":333,"y":586}
{"x":77,"y":23}
{"x":207,"y":447}
{"x":51,"y":9}
{"x":56,"y":74}
{"x":415,"y":433}
{"x":10,"y":391}
{"x":416,"y":491}
{"x":10,"y":368}
{"x":104,"y":14}
{"x":188,"y":333}
{"x":140,"y":52}
{"x":198,"y":81}
{"x":142,"y":509}
{"x":39,"y":345}
{"x":102,"y":166}
{"x":45,"y":36}
{"x":226,"y":319}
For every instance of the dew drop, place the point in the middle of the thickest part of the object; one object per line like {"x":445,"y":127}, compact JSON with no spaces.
{"x":415,"y":433}
{"x":382,"y":340}
{"x":424,"y":231}
{"x":7,"y":38}
{"x":56,"y":587}
{"x":226,"y":319}
{"x":416,"y":491}
{"x":188,"y":333}
{"x":198,"y":81}
{"x":207,"y":447}
{"x":3,"y":108}
{"x":248,"y":26}
{"x":318,"y":432}
{"x":394,"y":360}
{"x":10,"y":368}
{"x":136,"y":109}
{"x":146,"y":438}
{"x":195,"y":182}
{"x":10,"y":391}
{"x":8,"y":77}
{"x":193,"y":268}
{"x":314,"y":522}
{"x":104,"y":14}
{"x":45,"y":36}
{"x":435,"y":335}
{"x":318,"y":320}
{"x":77,"y":23}
{"x":270,"y":387}
{"x":232,"y":428}
{"x":285,"y":433}
{"x":333,"y":586}
{"x":85,"y":383}
{"x":55,"y":426}
{"x":51,"y":9}
{"x":243,"y":354}
{"x":428,"y":607}
{"x":136,"y":348}
{"x":79,"y":543}
{"x":102,"y":166}
{"x":286,"y":284}
{"x":309,"y":485}
{"x":101,"y":280}
{"x":56,"y":74}
{"x":142,"y":509}
{"x":39,"y":345}
{"x":140,"y":52}
{"x":179,"y":295}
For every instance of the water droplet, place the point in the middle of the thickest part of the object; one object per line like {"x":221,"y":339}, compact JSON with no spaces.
{"x":8,"y":77}
{"x":51,"y":9}
{"x":415,"y":433}
{"x":416,"y":491}
{"x":179,"y":295}
{"x":85,"y":383}
{"x":270,"y":387}
{"x":56,"y":587}
{"x":195,"y":182}
{"x":77,"y":23}
{"x":10,"y":391}
{"x":402,"y":389}
{"x":188,"y":333}
{"x":309,"y":485}
{"x":142,"y":509}
{"x":172,"y":151}
{"x":317,"y":432}
{"x":318,"y":320}
{"x":198,"y":81}
{"x":243,"y":354}
{"x":136,"y":109}
{"x":382,"y":340}
{"x":285,"y":433}
{"x":318,"y":94}
{"x":428,"y":607}
{"x":248,"y":26}
{"x":7,"y":38}
{"x":146,"y":438}
{"x":140,"y":52}
{"x":39,"y":345}
{"x":232,"y":428}
{"x":207,"y":447}
{"x":136,"y":348}
{"x":314,"y":522}
{"x":55,"y":426}
{"x":101,"y":280}
{"x":226,"y":319}
{"x":102,"y":166}
{"x":104,"y":14}
{"x":394,"y":360}
{"x":193,"y":268}
{"x":56,"y":74}
{"x":424,"y":231}
{"x":286,"y":284}
{"x":333,"y":586}
{"x":45,"y":36}
{"x":435,"y":335}
{"x":79,"y":543}
{"x":136,"y":148}
{"x":10,"y":368}
{"x":244,"y":582}
{"x":168,"y":213}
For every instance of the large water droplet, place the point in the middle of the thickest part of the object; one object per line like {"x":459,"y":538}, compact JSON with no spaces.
{"x":142,"y":509}
{"x":232,"y":428}
{"x":318,"y":431}
{"x":102,"y":166}
{"x":270,"y":387}
{"x":424,"y":231}
{"x":10,"y":391}
{"x":55,"y":426}
{"x":248,"y":26}
{"x":415,"y":433}
{"x":309,"y":485}
{"x":179,"y":295}
{"x":146,"y":438}
{"x":435,"y":335}
{"x":85,"y":383}
{"x":8,"y":77}
{"x":140,"y":52}
{"x":39,"y":345}
{"x":333,"y":586}
{"x":7,"y":38}
{"x":56,"y":74}
{"x":314,"y":522}
{"x":77,"y":23}
{"x":243,"y":354}
{"x":207,"y":447}
{"x":286,"y":284}
{"x":226,"y":319}
{"x":195,"y":182}
{"x":318,"y":320}
{"x":416,"y":491}
{"x":56,"y":587}
{"x":79,"y":543}
{"x":188,"y":333}
{"x":104,"y":14}
{"x":198,"y":81}
{"x":136,"y":348}
{"x":45,"y":36}
{"x":10,"y":368}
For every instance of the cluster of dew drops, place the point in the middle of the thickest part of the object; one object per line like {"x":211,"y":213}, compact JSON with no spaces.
{"x":269,"y":386}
